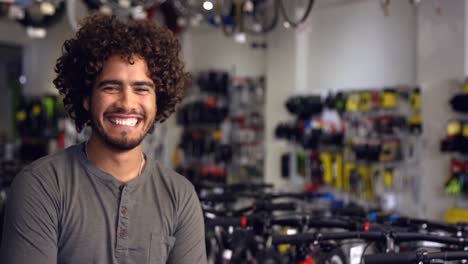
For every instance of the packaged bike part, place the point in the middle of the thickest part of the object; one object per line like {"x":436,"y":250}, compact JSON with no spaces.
{"x":349,"y":168}
{"x":352,"y":102}
{"x":332,"y":139}
{"x":375,"y":99}
{"x":223,"y":153}
{"x":388,"y":178}
{"x":340,"y":102}
{"x":464,"y":139}
{"x":391,"y":150}
{"x":374,"y":148}
{"x":329,"y":101}
{"x":326,"y":159}
{"x":285,"y":165}
{"x":310,"y":139}
{"x":312,"y":105}
{"x":338,"y":169}
{"x":454,"y":140}
{"x":301,"y":163}
{"x":304,"y":106}
{"x":389,"y":99}
{"x":316,"y":169}
{"x":459,"y":103}
{"x":365,"y":172}
{"x":415,"y":124}
{"x":415,"y":99}
{"x":365,"y":101}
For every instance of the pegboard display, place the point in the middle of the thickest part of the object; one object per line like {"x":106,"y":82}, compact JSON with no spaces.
{"x":223,"y":129}
{"x":359,"y":143}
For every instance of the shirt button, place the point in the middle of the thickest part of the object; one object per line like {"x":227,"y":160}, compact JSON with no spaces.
{"x":123,"y":211}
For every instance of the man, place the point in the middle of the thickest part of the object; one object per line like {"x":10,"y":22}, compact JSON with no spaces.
{"x":101,"y":201}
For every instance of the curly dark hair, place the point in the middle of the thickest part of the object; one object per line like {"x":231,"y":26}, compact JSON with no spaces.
{"x":101,"y":37}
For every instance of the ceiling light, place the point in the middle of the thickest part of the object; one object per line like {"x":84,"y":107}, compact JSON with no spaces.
{"x":257,"y":27}
{"x":240,"y":37}
{"x":47,"y":8}
{"x":37,"y":33}
{"x":249,"y":6}
{"x":105,"y":9}
{"x":22,"y":79}
{"x":138,"y":13}
{"x":207,"y":5}
{"x":181,"y":21}
{"x":125,"y":4}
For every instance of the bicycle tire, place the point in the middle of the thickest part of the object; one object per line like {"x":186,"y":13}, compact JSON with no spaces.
{"x":304,"y":17}
{"x":220,"y":14}
{"x":186,"y":8}
{"x":335,"y":256}
{"x":266,"y":27}
{"x":146,"y":4}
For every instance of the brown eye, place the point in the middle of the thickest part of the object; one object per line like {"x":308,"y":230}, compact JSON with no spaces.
{"x":110,"y":89}
{"x":142,"y":90}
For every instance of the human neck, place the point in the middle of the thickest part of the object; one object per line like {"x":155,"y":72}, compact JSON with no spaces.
{"x":124,"y":165}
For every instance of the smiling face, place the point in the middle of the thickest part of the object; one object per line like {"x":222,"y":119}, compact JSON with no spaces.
{"x":122,"y":105}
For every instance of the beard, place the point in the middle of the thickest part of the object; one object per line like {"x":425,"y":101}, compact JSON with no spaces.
{"x":122,"y":142}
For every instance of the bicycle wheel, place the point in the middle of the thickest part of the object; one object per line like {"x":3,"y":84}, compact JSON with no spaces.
{"x":229,"y":14}
{"x":188,"y":8}
{"x":126,"y":4}
{"x":263,"y":17}
{"x":291,"y":10}
{"x":34,"y":15}
{"x":335,"y":256}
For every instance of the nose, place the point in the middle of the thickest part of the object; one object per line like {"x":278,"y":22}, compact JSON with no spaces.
{"x":127,"y":99}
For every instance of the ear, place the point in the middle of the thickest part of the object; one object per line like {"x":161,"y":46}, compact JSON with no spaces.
{"x":86,"y":103}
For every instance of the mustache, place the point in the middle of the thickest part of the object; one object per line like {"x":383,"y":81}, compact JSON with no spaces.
{"x":124,"y":112}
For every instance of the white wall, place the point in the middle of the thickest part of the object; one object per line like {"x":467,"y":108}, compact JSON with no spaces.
{"x":356,"y":46}
{"x":39,"y":55}
{"x":441,"y":67}
{"x":441,"y":42}
{"x":280,"y":82}
{"x":210,"y":49}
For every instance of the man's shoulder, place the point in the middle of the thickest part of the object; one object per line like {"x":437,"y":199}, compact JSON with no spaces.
{"x":46,"y":172}
{"x":172,"y":178}
{"x":59,"y":159}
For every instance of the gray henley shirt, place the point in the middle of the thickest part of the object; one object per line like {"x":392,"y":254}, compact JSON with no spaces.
{"x":63,"y":209}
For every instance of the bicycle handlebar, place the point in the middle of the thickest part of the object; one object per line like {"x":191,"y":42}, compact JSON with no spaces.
{"x":404,"y":237}
{"x":374,"y":235}
{"x":224,"y":221}
{"x":312,"y":237}
{"x":413,"y":257}
{"x":219,"y":198}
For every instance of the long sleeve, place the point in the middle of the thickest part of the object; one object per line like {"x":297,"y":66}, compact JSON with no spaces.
{"x":31,"y":221}
{"x":189,"y":245}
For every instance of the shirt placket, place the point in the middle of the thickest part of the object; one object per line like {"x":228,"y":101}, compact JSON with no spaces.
{"x":123,"y":226}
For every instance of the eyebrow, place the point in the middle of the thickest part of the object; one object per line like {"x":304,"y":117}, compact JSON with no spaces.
{"x":117,"y":82}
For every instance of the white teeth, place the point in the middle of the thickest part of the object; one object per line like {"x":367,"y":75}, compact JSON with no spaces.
{"x":125,"y":122}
